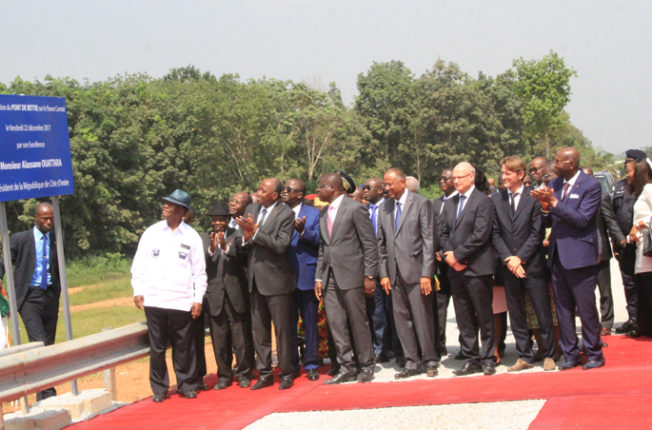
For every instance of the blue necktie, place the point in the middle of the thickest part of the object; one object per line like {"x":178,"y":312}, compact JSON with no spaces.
{"x":374,"y":216}
{"x":398,"y":216}
{"x":44,"y":265}
{"x":460,"y":205}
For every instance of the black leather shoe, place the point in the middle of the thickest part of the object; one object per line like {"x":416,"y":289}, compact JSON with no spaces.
{"x":625,"y":328}
{"x":366,"y":375}
{"x":188,"y":394}
{"x":158,"y":398}
{"x":286,"y":382}
{"x":312,"y":374}
{"x":244,"y":382}
{"x":468,"y":369}
{"x":569,"y":365}
{"x":406,"y":373}
{"x":263,"y":382}
{"x":222,"y":383}
{"x":489,"y":369}
{"x":593,"y":364}
{"x":341,"y":377}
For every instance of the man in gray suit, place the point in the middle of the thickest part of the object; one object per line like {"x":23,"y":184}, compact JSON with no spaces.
{"x":346,"y":269}
{"x":266,"y":235}
{"x":407,"y":265}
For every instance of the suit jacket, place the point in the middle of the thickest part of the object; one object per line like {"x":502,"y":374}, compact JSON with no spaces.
{"x":304,"y":249}
{"x":469,"y":237}
{"x":351,"y":253}
{"x":268,"y":261}
{"x":23,"y":258}
{"x":226,"y":276}
{"x":574,"y":234}
{"x":410,"y":249}
{"x":607,"y":226}
{"x":520,"y":234}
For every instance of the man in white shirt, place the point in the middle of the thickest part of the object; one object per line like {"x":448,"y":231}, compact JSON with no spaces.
{"x":169,"y":281}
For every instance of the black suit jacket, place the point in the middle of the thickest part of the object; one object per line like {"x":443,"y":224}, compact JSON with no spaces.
{"x":520,"y":234}
{"x":268,"y":260}
{"x":226,"y":276}
{"x":23,"y":258}
{"x":607,"y":226}
{"x":469,"y":237}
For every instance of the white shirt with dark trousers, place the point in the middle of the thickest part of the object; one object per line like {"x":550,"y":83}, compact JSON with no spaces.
{"x":169,"y":271}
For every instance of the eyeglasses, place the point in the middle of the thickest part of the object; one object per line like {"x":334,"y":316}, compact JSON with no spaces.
{"x":459,"y":178}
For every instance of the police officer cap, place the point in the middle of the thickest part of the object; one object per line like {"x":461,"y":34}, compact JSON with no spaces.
{"x":636,"y":154}
{"x":179,"y":197}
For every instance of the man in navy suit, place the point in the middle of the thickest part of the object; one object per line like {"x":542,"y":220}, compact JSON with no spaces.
{"x":571,"y":206}
{"x":303,"y":256}
{"x":517,"y":237}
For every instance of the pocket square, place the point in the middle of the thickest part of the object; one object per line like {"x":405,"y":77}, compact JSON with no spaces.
{"x":574,"y":196}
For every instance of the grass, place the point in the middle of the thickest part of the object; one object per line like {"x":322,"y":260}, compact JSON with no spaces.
{"x":97,"y":268}
{"x":106,"y":290}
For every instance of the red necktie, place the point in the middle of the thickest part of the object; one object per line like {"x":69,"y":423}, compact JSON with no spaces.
{"x":563,"y":195}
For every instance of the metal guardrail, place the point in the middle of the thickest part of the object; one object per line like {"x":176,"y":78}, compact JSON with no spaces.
{"x":35,"y":368}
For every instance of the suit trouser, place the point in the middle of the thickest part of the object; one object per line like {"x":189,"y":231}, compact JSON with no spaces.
{"x":576,"y":287}
{"x":346,"y":309}
{"x":626,"y":262}
{"x":472,"y":298}
{"x":264,"y":311}
{"x":229,"y":333}
{"x":164,"y":327}
{"x":413,"y":315}
{"x":381,"y":320}
{"x":441,"y":301}
{"x":536,"y":287}
{"x":40,"y":312}
{"x":306,"y":304}
{"x":199,"y":338}
{"x":644,"y":287}
{"x":606,"y":299}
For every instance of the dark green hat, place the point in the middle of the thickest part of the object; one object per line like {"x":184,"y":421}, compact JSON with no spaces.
{"x":179,"y":197}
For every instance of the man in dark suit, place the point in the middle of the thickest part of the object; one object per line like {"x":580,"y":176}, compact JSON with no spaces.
{"x":237,"y":205}
{"x":36,"y":278}
{"x":379,"y":306}
{"x":571,"y":206}
{"x":303,"y":256}
{"x":465,"y":233}
{"x":346,"y":271}
{"x":266,"y":235}
{"x":623,"y":204}
{"x":443,"y":296}
{"x":518,"y":239}
{"x":226,"y":301}
{"x":406,"y":267}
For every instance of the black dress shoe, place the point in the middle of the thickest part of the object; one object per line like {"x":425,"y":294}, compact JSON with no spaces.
{"x":158,"y":398}
{"x":625,"y":328}
{"x":341,"y":377}
{"x":286,"y":382}
{"x":406,"y":373}
{"x":188,"y":394}
{"x":366,"y":375}
{"x":489,"y":369}
{"x":468,"y":369}
{"x":244,"y":382}
{"x":312,"y":374}
{"x":222,"y":383}
{"x":569,"y":365}
{"x":263,"y":382}
{"x":593,"y":364}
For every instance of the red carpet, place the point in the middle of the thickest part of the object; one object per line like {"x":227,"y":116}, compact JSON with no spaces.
{"x":617,"y":394}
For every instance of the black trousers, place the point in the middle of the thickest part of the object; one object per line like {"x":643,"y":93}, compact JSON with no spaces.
{"x":644,"y":287}
{"x":536,"y":287}
{"x":626,"y":262}
{"x":165,"y":327}
{"x":472,"y":297}
{"x":606,"y":299}
{"x":230,"y":331}
{"x":40,"y":312}
{"x":441,"y":300}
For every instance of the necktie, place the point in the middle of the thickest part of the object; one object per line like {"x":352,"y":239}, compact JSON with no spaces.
{"x":262,"y":218}
{"x":44,"y":265}
{"x":397,"y":219}
{"x":331,"y":217}
{"x":512,"y":204}
{"x":563,"y":195}
{"x":460,"y":205}
{"x":374,"y":216}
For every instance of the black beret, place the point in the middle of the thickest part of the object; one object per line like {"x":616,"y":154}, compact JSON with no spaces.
{"x":636,"y":154}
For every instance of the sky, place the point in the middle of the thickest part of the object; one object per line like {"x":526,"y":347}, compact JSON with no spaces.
{"x":608,"y":44}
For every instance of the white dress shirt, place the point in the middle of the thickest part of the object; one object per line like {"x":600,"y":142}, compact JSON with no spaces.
{"x":169,"y":268}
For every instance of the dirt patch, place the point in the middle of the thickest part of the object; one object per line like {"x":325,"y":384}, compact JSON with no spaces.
{"x":120,"y":301}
